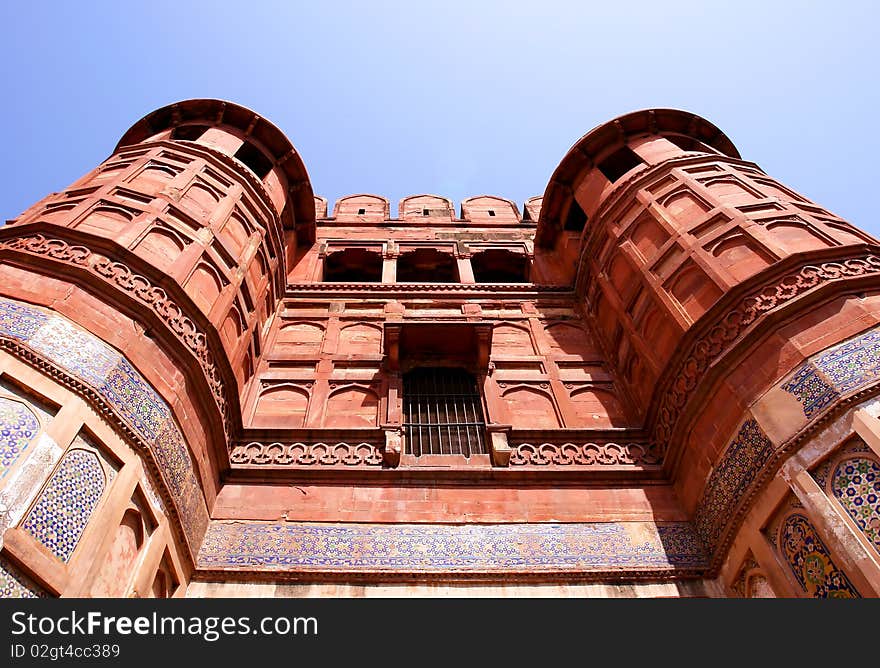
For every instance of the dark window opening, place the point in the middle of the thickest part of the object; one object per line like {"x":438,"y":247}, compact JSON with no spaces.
{"x":500,"y":266}
{"x":353,"y":265}
{"x":426,"y":265}
{"x":254,"y":159}
{"x":426,"y":212}
{"x":619,"y":163}
{"x":189,"y":132}
{"x":576,"y":218}
{"x":443,"y":413}
{"x":361,"y":212}
{"x":491,"y":213}
{"x":689,"y":144}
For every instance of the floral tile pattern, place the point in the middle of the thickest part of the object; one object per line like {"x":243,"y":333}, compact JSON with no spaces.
{"x":449,"y":548}
{"x":18,"y":428}
{"x":139,"y":404}
{"x":75,"y":349}
{"x":65,"y":505}
{"x":19,"y":320}
{"x":13,"y":584}
{"x":852,"y":364}
{"x":731,"y":478}
{"x":856,"y":485}
{"x":811,"y":390}
{"x":87,"y":358}
{"x":810,"y":561}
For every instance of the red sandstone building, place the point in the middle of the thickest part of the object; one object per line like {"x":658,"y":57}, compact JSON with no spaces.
{"x":659,"y":378}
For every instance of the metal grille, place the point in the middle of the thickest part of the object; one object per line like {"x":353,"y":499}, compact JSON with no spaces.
{"x":443,"y":414}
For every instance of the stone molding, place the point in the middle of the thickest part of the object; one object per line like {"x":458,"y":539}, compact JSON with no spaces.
{"x":727,"y":327}
{"x":182,"y":326}
{"x":585,"y":454}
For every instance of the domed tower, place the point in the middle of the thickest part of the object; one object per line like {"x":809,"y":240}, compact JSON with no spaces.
{"x":740,"y":317}
{"x":135,"y":304}
{"x":660,"y":378}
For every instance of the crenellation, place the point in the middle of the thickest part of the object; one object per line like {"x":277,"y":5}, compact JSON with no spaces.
{"x":658,"y":370}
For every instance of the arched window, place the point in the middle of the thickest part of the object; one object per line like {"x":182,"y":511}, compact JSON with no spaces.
{"x":443,"y":413}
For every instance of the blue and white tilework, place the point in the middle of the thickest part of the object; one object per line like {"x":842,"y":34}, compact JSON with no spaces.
{"x":20,"y":321}
{"x":75,"y":349}
{"x":557,"y":548}
{"x":87,"y":358}
{"x":838,"y":371}
{"x":811,"y":390}
{"x":15,"y":585}
{"x":139,"y":404}
{"x":852,"y":364}
{"x":18,"y":428}
{"x":730,"y":480}
{"x":65,"y":506}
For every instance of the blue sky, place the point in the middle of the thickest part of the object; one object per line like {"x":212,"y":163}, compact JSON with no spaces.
{"x":454,"y":98}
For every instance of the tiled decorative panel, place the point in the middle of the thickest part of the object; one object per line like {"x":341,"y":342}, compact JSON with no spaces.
{"x":810,"y":562}
{"x":139,"y":404}
{"x":75,"y":349}
{"x":856,"y":484}
{"x":840,"y":370}
{"x":65,"y":505}
{"x":18,"y":427}
{"x":415,"y":548}
{"x":15,"y":585}
{"x":852,"y":364}
{"x":739,"y":584}
{"x":19,"y":320}
{"x":811,"y":390}
{"x":730,"y":480}
{"x":91,"y":361}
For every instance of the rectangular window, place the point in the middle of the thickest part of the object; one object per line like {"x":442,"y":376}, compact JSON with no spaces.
{"x":443,"y":413}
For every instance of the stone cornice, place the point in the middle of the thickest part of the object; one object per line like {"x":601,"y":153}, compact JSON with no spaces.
{"x":169,"y":303}
{"x":509,"y":290}
{"x":740,"y":312}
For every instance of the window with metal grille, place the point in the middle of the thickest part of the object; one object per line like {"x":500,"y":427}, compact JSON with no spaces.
{"x":443,"y":413}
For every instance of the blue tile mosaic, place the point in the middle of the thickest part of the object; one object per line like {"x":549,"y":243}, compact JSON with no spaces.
{"x":76,"y":350}
{"x":855,"y":483}
{"x":811,"y":390}
{"x":138,"y":403}
{"x":853,"y":364}
{"x":92,"y":361}
{"x":450,"y":548}
{"x":18,"y":428}
{"x":730,"y":480}
{"x":810,"y":561}
{"x":173,"y":458}
{"x":13,"y":584}
{"x":65,"y":505}
{"x":20,"y":321}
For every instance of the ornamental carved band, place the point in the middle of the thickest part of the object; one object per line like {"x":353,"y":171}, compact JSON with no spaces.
{"x":587,"y":454}
{"x":183,"y":327}
{"x":715,"y":343}
{"x":303,"y":454}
